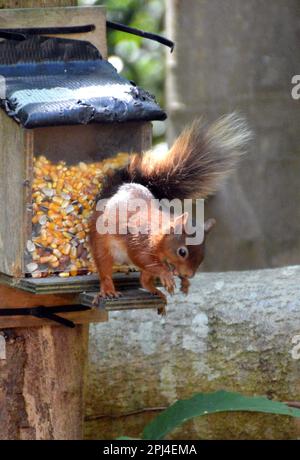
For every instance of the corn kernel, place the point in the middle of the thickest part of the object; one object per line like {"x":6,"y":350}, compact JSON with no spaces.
{"x":81,"y":235}
{"x":57,"y":253}
{"x":58,"y":200}
{"x":66,"y":249}
{"x":73,"y":270}
{"x":73,"y":252}
{"x":54,"y":264}
{"x":45,"y":259}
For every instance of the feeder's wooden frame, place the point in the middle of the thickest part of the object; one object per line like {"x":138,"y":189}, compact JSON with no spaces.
{"x":18,"y":148}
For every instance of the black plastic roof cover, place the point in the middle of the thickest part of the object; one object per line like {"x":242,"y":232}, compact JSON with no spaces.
{"x":53,"y":81}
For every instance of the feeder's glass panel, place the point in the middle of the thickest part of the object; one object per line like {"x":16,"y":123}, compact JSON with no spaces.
{"x":65,"y":183}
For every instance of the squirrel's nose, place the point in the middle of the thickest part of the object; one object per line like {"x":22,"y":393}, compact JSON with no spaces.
{"x":189,"y":273}
{"x":184,"y":272}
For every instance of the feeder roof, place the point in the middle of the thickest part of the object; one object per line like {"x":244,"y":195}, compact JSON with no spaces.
{"x":52,"y":81}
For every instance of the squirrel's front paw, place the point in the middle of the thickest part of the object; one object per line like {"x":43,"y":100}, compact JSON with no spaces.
{"x":168,"y":282}
{"x":185,"y":284}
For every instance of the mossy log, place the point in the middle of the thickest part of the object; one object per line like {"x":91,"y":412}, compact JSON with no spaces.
{"x":234,"y":331}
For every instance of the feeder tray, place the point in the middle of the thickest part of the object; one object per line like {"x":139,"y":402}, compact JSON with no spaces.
{"x":72,"y":285}
{"x":130,"y":299}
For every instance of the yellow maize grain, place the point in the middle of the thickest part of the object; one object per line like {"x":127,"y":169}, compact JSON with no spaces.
{"x":51,"y":225}
{"x":73,"y":252}
{"x":58,"y":200}
{"x":57,"y":253}
{"x":54,"y":207}
{"x":64,"y":274}
{"x":73,"y":270}
{"x":45,"y":259}
{"x":54,"y":264}
{"x":66,"y":249}
{"x":81,"y":235}
{"x":67,"y":236}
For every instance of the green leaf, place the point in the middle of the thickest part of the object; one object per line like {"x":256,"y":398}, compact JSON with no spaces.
{"x":210,"y":403}
{"x":127,"y":438}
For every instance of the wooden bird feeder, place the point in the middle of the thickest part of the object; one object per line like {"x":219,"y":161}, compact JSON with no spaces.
{"x":67,"y":120}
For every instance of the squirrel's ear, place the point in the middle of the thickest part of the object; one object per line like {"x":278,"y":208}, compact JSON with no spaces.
{"x":208,"y":225}
{"x":180,"y":222}
{"x":182,"y":219}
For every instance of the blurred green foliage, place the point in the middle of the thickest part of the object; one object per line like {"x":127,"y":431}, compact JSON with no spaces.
{"x":138,"y":59}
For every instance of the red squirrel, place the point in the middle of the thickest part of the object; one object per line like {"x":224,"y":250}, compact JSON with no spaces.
{"x":201,"y":157}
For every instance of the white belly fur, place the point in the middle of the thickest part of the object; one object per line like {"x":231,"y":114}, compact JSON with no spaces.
{"x":119,"y":253}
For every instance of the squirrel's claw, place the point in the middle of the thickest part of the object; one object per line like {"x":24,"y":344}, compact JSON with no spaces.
{"x":162,"y":311}
{"x":170,"y":288}
{"x":167,"y":280}
{"x":105,"y":295}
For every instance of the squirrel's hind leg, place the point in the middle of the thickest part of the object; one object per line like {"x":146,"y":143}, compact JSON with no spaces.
{"x":104,"y":264}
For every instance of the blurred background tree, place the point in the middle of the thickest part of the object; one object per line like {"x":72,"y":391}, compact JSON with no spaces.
{"x":138,"y":59}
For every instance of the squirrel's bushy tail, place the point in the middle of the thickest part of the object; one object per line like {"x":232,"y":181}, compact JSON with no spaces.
{"x":200,"y":159}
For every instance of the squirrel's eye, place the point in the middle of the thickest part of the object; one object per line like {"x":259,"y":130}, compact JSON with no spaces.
{"x":182,"y":252}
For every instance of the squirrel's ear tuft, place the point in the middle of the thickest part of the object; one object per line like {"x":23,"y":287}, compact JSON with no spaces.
{"x":182,"y":219}
{"x":179,"y":222}
{"x":209,"y":224}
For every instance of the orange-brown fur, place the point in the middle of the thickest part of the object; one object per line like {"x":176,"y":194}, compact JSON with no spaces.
{"x":152,"y":254}
{"x":193,"y":168}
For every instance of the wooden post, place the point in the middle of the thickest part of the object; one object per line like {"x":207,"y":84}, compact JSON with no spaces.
{"x":42,"y":368}
{"x":42,"y":382}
